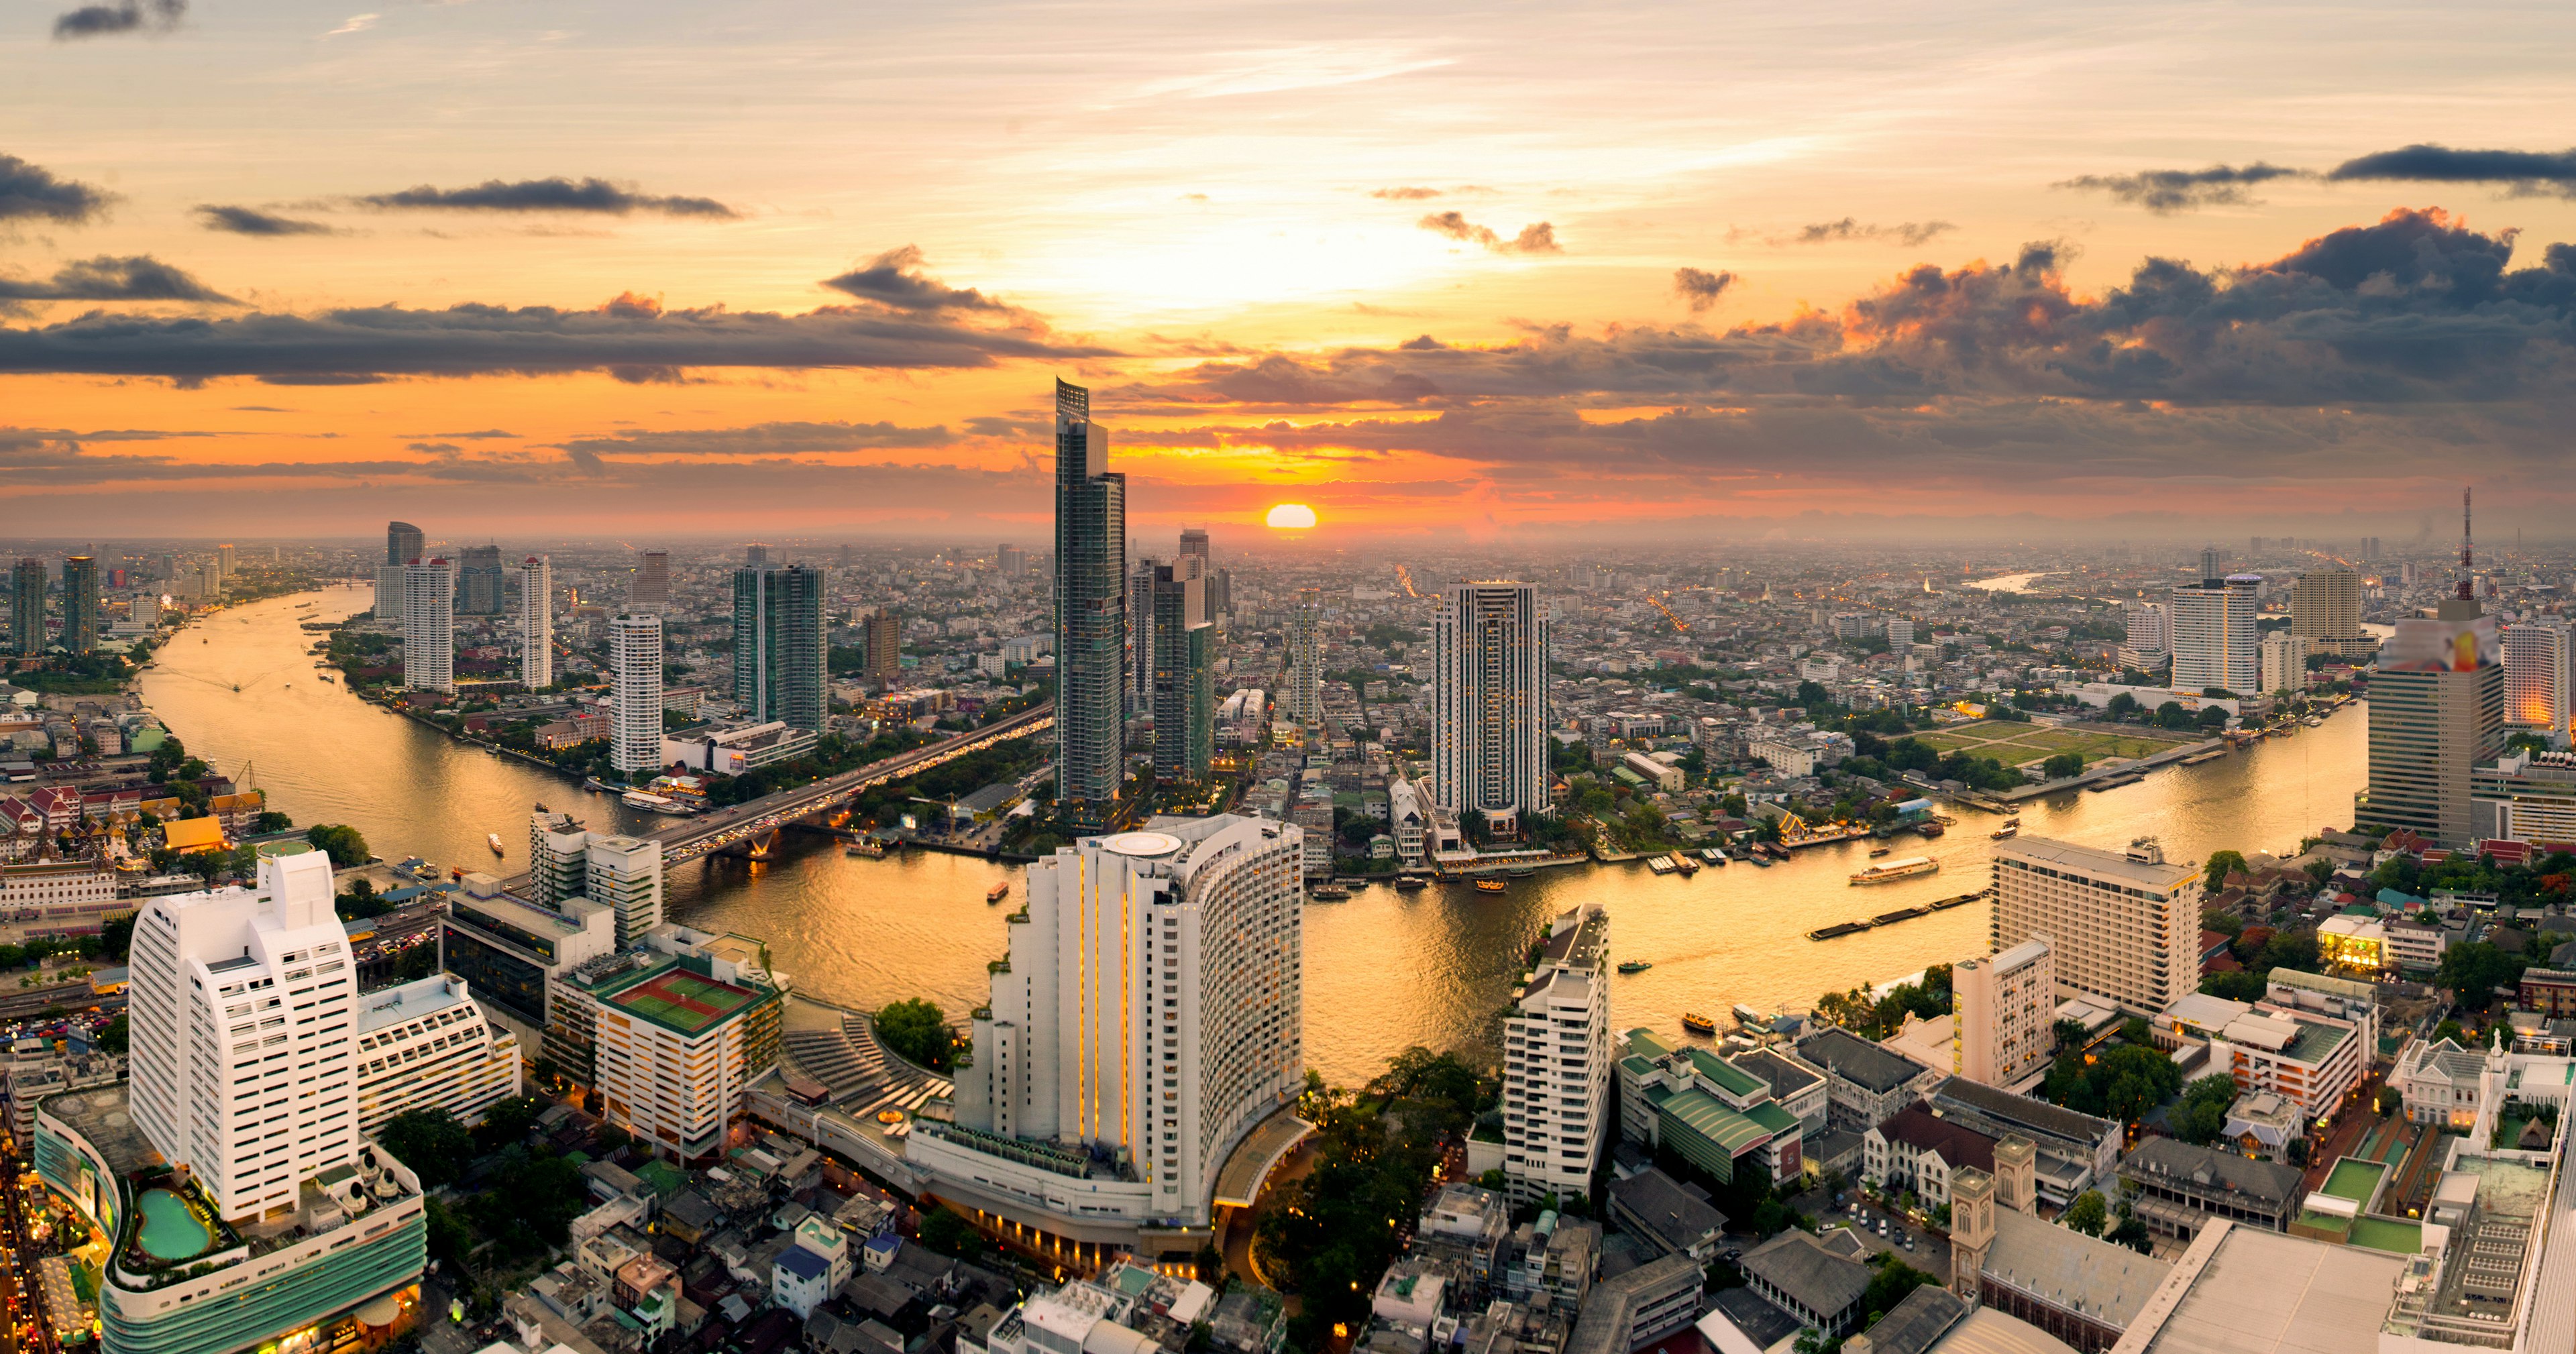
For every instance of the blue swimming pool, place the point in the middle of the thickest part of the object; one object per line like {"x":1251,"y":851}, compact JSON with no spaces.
{"x":169,"y":1231}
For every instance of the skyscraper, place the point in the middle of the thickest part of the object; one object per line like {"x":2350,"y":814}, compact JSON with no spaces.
{"x":755,"y":556}
{"x":1489,"y":749}
{"x":1150,"y":1016}
{"x":1140,"y":634}
{"x":1556,"y":1062}
{"x":2325,"y":610}
{"x":2213,"y":634}
{"x":635,"y":686}
{"x":652,"y":589}
{"x":881,"y":634}
{"x":82,"y":621}
{"x":1090,"y":613}
{"x":1184,"y":674}
{"x":2148,"y":643}
{"x":1194,"y":545}
{"x":1305,"y":701}
{"x":2536,"y":688}
{"x":27,"y":607}
{"x":536,"y":622}
{"x":780,"y":648}
{"x":403,"y":543}
{"x":479,"y":581}
{"x":225,"y":563}
{"x":2437,"y":709}
{"x":429,"y":626}
{"x":2283,"y":663}
{"x":1011,"y":560}
{"x":1900,"y":637}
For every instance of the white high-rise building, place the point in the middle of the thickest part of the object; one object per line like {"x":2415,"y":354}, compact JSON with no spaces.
{"x":635,"y":676}
{"x":2004,"y":1030}
{"x":2284,"y":663}
{"x":426,"y":1045}
{"x":389,"y":591}
{"x":2536,"y":686}
{"x":2214,"y":635}
{"x":1556,"y":1062}
{"x":429,"y":625}
{"x":537,"y":623}
{"x":1151,"y":1017}
{"x":621,"y":873}
{"x":2121,"y":926}
{"x":1489,"y":748}
{"x":1900,"y":637}
{"x":2148,"y":646}
{"x":241,"y":1005}
{"x":2325,"y":609}
{"x":1306,"y":659}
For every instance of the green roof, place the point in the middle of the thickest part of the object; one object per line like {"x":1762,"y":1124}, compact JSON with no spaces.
{"x":1773,"y":1116}
{"x":1734,"y":1080}
{"x":1636,"y":1064}
{"x":1643,"y":1041}
{"x":1705,"y":1115}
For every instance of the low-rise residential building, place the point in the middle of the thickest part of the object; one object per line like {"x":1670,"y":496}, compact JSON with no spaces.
{"x":425,"y":1045}
{"x":2414,"y":947}
{"x":1628,"y":1309}
{"x":2177,"y":1188}
{"x":1666,"y":1214}
{"x":812,"y":1268}
{"x":2549,"y":991}
{"x":2313,"y":1061}
{"x":57,"y":898}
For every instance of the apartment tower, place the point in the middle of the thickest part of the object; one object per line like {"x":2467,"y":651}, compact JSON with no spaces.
{"x":429,"y":625}
{"x":2536,"y":658}
{"x":781,"y":651}
{"x":1489,"y":749}
{"x":652,"y":589}
{"x":27,"y":607}
{"x":1184,"y":673}
{"x":2213,"y":634}
{"x":1306,"y":658}
{"x":635,"y":691}
{"x":83,"y":623}
{"x":2005,"y":1009}
{"x":881,"y":637}
{"x":1090,"y":614}
{"x":536,"y":622}
{"x":2325,"y":610}
{"x":1556,"y":1062}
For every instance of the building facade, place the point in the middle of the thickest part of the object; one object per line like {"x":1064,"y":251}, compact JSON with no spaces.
{"x":2147,"y":644}
{"x":679,"y":1033}
{"x":2005,"y":1008}
{"x":1305,"y":699}
{"x":2213,"y":634}
{"x":781,"y":650}
{"x":1489,"y":652}
{"x":881,"y":634}
{"x":2325,"y":610}
{"x":2437,"y":707}
{"x":1556,"y":1062}
{"x":1090,"y":614}
{"x":652,"y":589}
{"x":536,"y":622}
{"x":1184,"y":674}
{"x":2536,"y":689}
{"x":27,"y":607}
{"x":635,"y":694}
{"x":425,"y":1045}
{"x":2283,"y":663}
{"x":480,"y":583}
{"x":2123,"y":926}
{"x":429,"y":625}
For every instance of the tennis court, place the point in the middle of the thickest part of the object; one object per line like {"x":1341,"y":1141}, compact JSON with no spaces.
{"x":683,"y":1001}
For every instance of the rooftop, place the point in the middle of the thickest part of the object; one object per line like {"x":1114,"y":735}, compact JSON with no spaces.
{"x":1786,"y":1078}
{"x":2267,"y":1293}
{"x":2069,"y":1270}
{"x":1914,"y":1324}
{"x":2037,"y":1117}
{"x":2267,"y":1181}
{"x":1916,"y":1126}
{"x":1672,"y":1216}
{"x":410,"y":1001}
{"x":1797,"y":1264}
{"x":1856,"y":1059}
{"x":2097,"y":863}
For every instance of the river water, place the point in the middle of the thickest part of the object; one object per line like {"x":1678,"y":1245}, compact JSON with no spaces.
{"x":1383,"y":970}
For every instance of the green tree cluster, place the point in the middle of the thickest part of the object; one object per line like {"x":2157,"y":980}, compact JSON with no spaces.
{"x":2202,"y":1115}
{"x":2121,"y":1080}
{"x":341,"y":842}
{"x":1879,"y":1017}
{"x":918,"y":1031}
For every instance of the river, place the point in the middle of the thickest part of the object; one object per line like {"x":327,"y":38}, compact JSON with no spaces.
{"x":1383,"y":970}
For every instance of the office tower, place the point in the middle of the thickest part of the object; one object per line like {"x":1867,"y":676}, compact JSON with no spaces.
{"x":1140,"y":635}
{"x":755,"y":556}
{"x":1184,"y":674}
{"x":2213,"y":634}
{"x":224,"y":564}
{"x":1011,"y":560}
{"x":2209,"y":562}
{"x":83,"y":622}
{"x":1194,"y":545}
{"x":2437,"y":710}
{"x":673,"y":1036}
{"x":843,"y":558}
{"x":168,"y":568}
{"x":881,"y":635}
{"x":635,"y":683}
{"x":429,"y":626}
{"x":652,"y":590}
{"x":2536,"y":656}
{"x":27,"y":607}
{"x":2325,"y":608}
{"x":2147,"y":646}
{"x":1556,"y":1062}
{"x":2370,"y":549}
{"x":1489,"y":748}
{"x":2409,"y":574}
{"x":1220,"y":593}
{"x":252,"y":1115}
{"x":2006,"y":1009}
{"x":425,"y":1045}
{"x":1090,"y":613}
{"x":403,"y":543}
{"x":2283,"y":663}
{"x":2121,"y":926}
{"x":478,"y":581}
{"x":1306,"y":658}
{"x":781,"y":652}
{"x":389,"y":592}
{"x":1900,"y":637}
{"x":1150,"y":1016}
{"x":536,"y":622}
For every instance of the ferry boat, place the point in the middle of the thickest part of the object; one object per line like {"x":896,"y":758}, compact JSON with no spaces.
{"x":493,"y":839}
{"x":1490,"y":886}
{"x":1697,"y":1023}
{"x":1329,"y":893}
{"x":1956,"y":900}
{"x":1660,"y":864}
{"x":1876,"y":852}
{"x":2011,"y":829}
{"x":1521,"y":871}
{"x":1931,"y":829}
{"x":1635,"y":966}
{"x":996,"y":894}
{"x":872,"y":850}
{"x":1712,"y":855}
{"x":1906,"y":868}
{"x":324,"y":676}
{"x":640,"y":799}
{"x":1746,"y":1015}
{"x":1409,"y":884}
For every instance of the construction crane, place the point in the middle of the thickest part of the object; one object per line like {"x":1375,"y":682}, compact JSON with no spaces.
{"x":1678,"y":626}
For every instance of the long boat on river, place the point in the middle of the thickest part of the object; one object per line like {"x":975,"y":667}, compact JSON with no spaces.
{"x":1840,"y":928}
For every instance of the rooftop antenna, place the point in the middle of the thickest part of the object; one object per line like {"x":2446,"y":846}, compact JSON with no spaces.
{"x":2468,"y":559}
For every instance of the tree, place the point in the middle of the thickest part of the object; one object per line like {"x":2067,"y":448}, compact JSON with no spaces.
{"x":2132,"y":1233}
{"x":917,"y":1030}
{"x":2087,"y":1213}
{"x":949,"y":1234}
{"x":2213,"y":716}
{"x":1888,"y":1287}
{"x":2062,"y":765}
{"x":2121,"y":706}
{"x":2474,"y":969}
{"x":431,"y":1142}
{"x":2202,"y":1116}
{"x":2222,"y":864}
{"x":2067,"y":1034}
{"x":117,"y":1036}
{"x":271,"y":821}
{"x":116,"y":937}
{"x":2171,"y":715}
{"x":340,"y":842}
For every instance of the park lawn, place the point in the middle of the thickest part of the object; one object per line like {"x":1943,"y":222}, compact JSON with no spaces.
{"x":2014,"y":743}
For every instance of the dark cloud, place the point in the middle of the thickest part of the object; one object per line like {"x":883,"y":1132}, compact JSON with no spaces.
{"x":631,"y":337}
{"x":29,"y":192}
{"x":894,"y":278}
{"x":2524,"y":170}
{"x":761,"y":439}
{"x":250,"y":221}
{"x":129,"y":16}
{"x":1537,"y":238}
{"x":1405,"y":194}
{"x":547,"y":195}
{"x":1908,"y":233}
{"x":137,"y":277}
{"x":1700,"y":287}
{"x":2165,"y":191}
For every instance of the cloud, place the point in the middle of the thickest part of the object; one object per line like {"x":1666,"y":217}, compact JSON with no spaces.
{"x":250,"y":221}
{"x":128,"y":16}
{"x":2165,"y":191}
{"x":1537,"y":238}
{"x":763,"y":439}
{"x":631,"y":338}
{"x":1405,"y":194}
{"x":556,"y":194}
{"x":894,"y":278}
{"x":28,"y":192}
{"x":355,"y":23}
{"x":1912,"y":234}
{"x":2525,"y":171}
{"x":107,"y":278}
{"x":1700,"y":287}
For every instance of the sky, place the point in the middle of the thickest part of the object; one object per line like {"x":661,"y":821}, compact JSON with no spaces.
{"x":1629,"y":270}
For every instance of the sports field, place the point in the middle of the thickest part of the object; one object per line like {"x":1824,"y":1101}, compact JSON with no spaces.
{"x":2016,"y":744}
{"x":684,"y":1001}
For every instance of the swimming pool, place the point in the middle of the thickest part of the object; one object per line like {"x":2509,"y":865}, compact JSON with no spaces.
{"x":169,"y":1231}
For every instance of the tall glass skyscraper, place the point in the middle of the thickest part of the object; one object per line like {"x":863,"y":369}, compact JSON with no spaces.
{"x":1090,"y":613}
{"x":780,"y":648}
{"x":1184,"y":674}
{"x":479,"y":581}
{"x":403,"y":543}
{"x":82,"y":623}
{"x":27,"y":606}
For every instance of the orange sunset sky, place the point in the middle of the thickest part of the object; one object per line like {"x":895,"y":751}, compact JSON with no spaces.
{"x":558,"y":267}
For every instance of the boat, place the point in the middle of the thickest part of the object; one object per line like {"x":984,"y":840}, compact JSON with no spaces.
{"x":1712,"y":855}
{"x":1490,"y":886}
{"x":1409,"y":884}
{"x":1900,"y":914}
{"x":1521,"y":871}
{"x":870,"y":850}
{"x":493,"y":839}
{"x":1660,"y":864}
{"x":996,"y":893}
{"x":1959,"y":900}
{"x":1931,"y":829}
{"x":642,"y":799}
{"x":1697,"y":1023}
{"x":324,"y":676}
{"x":1876,"y":852}
{"x":1746,"y":1015}
{"x":1635,"y":966}
{"x":1329,"y":893}
{"x":1905,"y":868}
{"x":2011,"y":829}
{"x":1685,"y":864}
{"x":1759,"y":861}
{"x":1840,"y":928}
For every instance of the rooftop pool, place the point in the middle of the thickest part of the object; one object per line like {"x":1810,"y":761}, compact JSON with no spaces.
{"x":169,"y":1231}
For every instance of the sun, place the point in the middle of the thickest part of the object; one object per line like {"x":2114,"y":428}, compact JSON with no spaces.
{"x":1290,"y":517}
